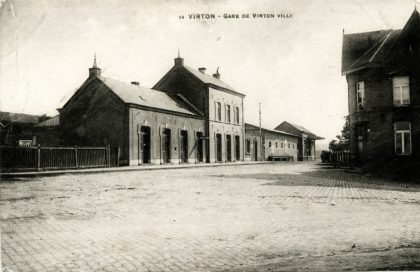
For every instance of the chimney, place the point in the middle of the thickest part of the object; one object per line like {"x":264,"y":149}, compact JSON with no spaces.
{"x":217,"y":75}
{"x":179,"y":61}
{"x":135,"y":83}
{"x":202,"y":70}
{"x":95,"y":70}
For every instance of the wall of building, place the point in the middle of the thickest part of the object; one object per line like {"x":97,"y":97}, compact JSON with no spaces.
{"x":375,"y":124}
{"x":95,"y":117}
{"x":157,"y":121}
{"x":289,"y":143}
{"x":224,"y":127}
{"x":281,"y":149}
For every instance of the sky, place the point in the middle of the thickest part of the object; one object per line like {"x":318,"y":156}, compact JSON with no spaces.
{"x":292,"y":66}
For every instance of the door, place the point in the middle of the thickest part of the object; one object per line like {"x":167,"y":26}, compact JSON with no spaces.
{"x":166,"y":145}
{"x":218,"y":147}
{"x":237,"y":148}
{"x":144,"y":144}
{"x":200,"y":147}
{"x":255,"y":151}
{"x":183,"y":148}
{"x":228,"y":147}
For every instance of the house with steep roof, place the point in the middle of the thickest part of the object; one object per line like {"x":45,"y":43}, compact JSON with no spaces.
{"x":219,"y":104}
{"x":382,"y":72}
{"x":306,"y":140}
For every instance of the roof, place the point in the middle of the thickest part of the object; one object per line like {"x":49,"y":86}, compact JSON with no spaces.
{"x":373,"y":49}
{"x":142,"y":96}
{"x":18,"y":117}
{"x":301,"y":130}
{"x":51,"y":122}
{"x":271,"y":130}
{"x":208,"y":79}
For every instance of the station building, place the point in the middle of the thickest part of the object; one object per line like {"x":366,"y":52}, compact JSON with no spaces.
{"x":187,"y":117}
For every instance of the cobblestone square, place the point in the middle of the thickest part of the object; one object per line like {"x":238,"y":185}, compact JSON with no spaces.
{"x":277,"y":217}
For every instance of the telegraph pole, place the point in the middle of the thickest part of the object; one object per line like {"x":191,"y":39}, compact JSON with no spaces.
{"x":261,"y":143}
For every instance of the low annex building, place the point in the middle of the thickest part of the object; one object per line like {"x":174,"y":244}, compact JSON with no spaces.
{"x":382,"y":71}
{"x":276,"y":145}
{"x":188,"y":117}
{"x":306,"y":140}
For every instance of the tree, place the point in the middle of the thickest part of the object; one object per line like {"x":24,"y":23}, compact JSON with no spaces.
{"x":43,"y":118}
{"x":342,"y":142}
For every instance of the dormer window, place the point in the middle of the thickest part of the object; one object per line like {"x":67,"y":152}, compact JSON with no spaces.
{"x":360,"y":88}
{"x":401,"y":91}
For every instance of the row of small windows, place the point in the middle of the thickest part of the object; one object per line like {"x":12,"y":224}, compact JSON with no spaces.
{"x":401,"y":92}
{"x":282,"y":145}
{"x":218,"y":113}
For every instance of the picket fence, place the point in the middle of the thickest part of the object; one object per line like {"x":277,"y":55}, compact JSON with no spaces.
{"x":47,"y":158}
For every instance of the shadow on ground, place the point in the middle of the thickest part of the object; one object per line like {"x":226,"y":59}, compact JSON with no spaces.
{"x":327,"y":176}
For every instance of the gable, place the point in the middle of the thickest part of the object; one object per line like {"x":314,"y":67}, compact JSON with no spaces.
{"x":92,"y":96}
{"x":286,"y":127}
{"x":380,"y":48}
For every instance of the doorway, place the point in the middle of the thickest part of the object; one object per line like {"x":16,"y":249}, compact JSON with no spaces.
{"x":166,"y":145}
{"x":144,"y":145}
{"x":183,"y":149}
{"x":255,"y":151}
{"x":229,"y":148}
{"x":237,"y":148}
{"x":218,"y":147}
{"x":200,"y":147}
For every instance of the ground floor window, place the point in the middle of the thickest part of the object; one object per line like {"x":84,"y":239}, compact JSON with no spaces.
{"x":402,"y":138}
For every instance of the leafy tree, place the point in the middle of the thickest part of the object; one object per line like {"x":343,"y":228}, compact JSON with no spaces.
{"x":342,"y":142}
{"x":43,"y":118}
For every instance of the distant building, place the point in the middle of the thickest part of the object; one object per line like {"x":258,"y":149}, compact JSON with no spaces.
{"x":306,"y":140}
{"x":16,"y":129}
{"x":188,"y":117}
{"x":276,"y":145}
{"x":382,"y":71}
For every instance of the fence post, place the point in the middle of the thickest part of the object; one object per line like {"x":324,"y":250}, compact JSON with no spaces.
{"x":118,"y":157}
{"x":108,"y":152}
{"x":75,"y":157}
{"x":38,"y":156}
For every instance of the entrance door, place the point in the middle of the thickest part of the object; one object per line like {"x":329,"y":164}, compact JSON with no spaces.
{"x":228,"y":147}
{"x":219,"y":147}
{"x":200,"y":147}
{"x":183,"y":149}
{"x":255,"y":151}
{"x":144,"y":144}
{"x":237,"y":148}
{"x":166,"y":145}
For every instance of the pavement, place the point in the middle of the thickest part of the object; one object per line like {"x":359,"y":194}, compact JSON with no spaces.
{"x":266,"y":217}
{"x":56,"y":172}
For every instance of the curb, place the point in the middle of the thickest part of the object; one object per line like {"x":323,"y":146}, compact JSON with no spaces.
{"x":11,"y":175}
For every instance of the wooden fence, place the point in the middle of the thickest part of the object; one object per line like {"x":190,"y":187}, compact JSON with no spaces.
{"x":48,"y":158}
{"x":340,"y":158}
